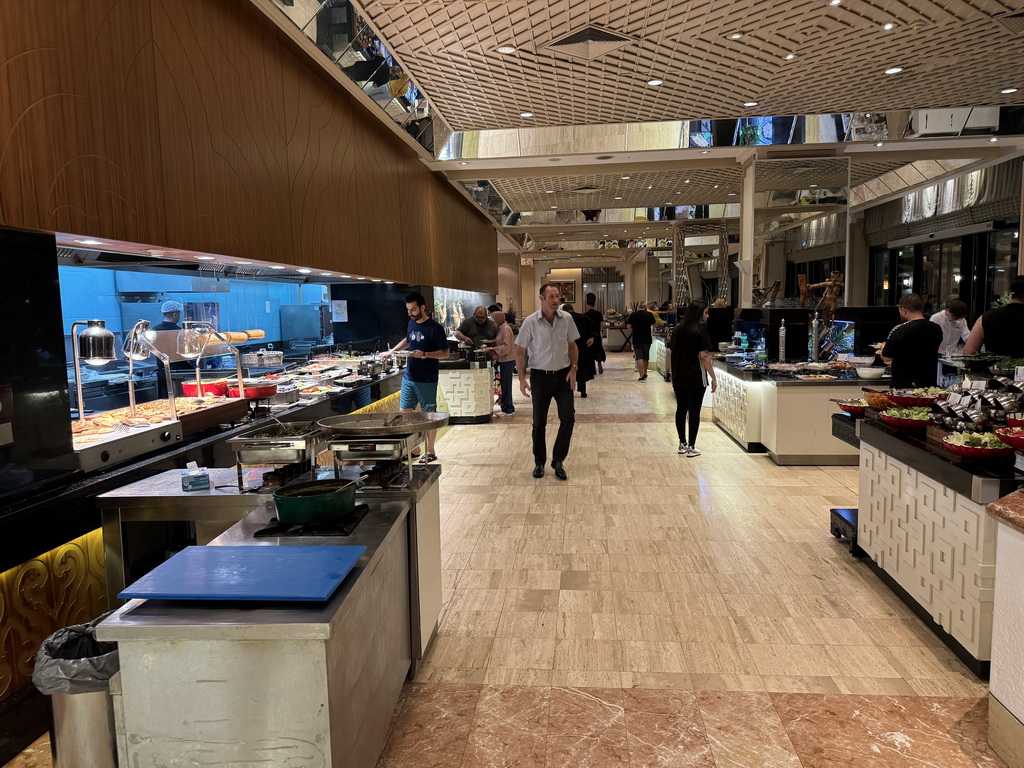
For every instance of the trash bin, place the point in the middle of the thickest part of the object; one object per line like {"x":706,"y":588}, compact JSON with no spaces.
{"x":75,"y":669}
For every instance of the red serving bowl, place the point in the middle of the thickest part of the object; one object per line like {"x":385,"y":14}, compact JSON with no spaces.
{"x":912,"y":401}
{"x":254,"y":392}
{"x":1012,"y":437}
{"x":214,"y":388}
{"x":970,"y":452}
{"x":899,"y":423}
{"x":857,"y":411}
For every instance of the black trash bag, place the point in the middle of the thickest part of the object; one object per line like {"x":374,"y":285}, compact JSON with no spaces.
{"x":72,"y":660}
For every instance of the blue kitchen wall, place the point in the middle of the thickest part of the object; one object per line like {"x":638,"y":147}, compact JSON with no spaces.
{"x":89,"y":293}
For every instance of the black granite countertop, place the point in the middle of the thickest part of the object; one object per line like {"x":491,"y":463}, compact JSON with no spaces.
{"x":982,"y":482}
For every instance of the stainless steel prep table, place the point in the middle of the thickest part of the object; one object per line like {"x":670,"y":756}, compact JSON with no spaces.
{"x":159,"y":499}
{"x":232,"y":683}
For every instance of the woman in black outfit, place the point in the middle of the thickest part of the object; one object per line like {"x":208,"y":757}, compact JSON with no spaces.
{"x":691,"y":372}
{"x":585,"y":370}
{"x":597,"y":319}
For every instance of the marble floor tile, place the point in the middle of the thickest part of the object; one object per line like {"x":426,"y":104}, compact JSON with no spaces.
{"x":509,"y":728}
{"x":433,"y":727}
{"x":745,"y":730}
{"x":586,"y":726}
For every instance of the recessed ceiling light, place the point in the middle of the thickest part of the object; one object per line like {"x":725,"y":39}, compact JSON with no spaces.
{"x":994,"y":138}
{"x":376,"y":279}
{"x":834,"y":2}
{"x":554,"y":206}
{"x":206,"y":258}
{"x":506,"y":49}
{"x":243,"y":262}
{"x":879,"y":144}
{"x":679,"y":193}
{"x":790,"y":56}
{"x":618,"y":198}
{"x":625,"y":177}
{"x":716,"y":186}
{"x":655,"y":81}
{"x":893,"y":70}
{"x":732,"y":194}
{"x":360,"y":278}
{"x":686,"y":182}
{"x":550,"y":191}
{"x":561,"y":233}
{"x":346,"y":275}
{"x":650,"y":186}
{"x":749,"y":103}
{"x":1008,"y":90}
{"x":735,"y":35}
{"x":304,"y":271}
{"x":90,"y":242}
{"x":389,"y":282}
{"x":888,"y":25}
{"x":526,"y":114}
{"x":704,"y":151}
{"x":326,"y":274}
{"x":463,"y":163}
{"x":277,"y":267}
{"x":813,"y":186}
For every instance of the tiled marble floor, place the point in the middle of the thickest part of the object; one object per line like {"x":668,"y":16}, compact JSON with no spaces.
{"x":656,"y":610}
{"x":659,"y":610}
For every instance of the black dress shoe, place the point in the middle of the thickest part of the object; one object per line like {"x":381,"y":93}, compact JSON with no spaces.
{"x":559,"y":470}
{"x":538,"y":471}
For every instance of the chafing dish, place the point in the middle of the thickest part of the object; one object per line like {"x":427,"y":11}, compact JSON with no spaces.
{"x":281,"y":443}
{"x":286,"y":394}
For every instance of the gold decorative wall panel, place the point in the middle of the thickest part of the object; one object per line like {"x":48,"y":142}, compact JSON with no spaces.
{"x":62,"y":587}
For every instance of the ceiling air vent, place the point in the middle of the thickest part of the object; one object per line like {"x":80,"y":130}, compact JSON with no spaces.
{"x":589,"y":43}
{"x":1014,"y":22}
{"x":586,"y":190}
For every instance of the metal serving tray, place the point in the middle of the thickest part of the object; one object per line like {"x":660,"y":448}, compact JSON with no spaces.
{"x":383,"y":424}
{"x":279,"y":443}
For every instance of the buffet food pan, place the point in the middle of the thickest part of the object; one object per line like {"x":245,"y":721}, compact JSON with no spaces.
{"x":383,"y":424}
{"x":289,"y":442}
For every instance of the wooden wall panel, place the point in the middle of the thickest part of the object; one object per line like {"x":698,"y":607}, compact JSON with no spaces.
{"x":190,"y":124}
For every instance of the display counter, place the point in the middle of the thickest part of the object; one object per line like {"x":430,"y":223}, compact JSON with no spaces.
{"x":787,"y":417}
{"x":1006,"y":686}
{"x":468,"y":389}
{"x":314,"y":683}
{"x":660,"y":358}
{"x":923,"y":523}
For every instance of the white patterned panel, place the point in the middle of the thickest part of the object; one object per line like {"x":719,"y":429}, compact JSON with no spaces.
{"x":468,"y":393}
{"x":938,"y":545}
{"x":735,"y":408}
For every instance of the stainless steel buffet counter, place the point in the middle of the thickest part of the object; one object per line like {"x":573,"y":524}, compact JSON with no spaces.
{"x":241,"y":684}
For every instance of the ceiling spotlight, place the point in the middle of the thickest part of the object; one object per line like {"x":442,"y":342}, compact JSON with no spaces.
{"x":206,"y":258}
{"x":550,"y":191}
{"x":716,"y":186}
{"x":686,"y":182}
{"x":679,"y":193}
{"x":561,"y":233}
{"x":813,"y":186}
{"x":655,"y":81}
{"x":834,"y":2}
{"x":553,"y":207}
{"x":526,"y":114}
{"x":506,"y":49}
{"x":90,"y":242}
{"x":749,"y":103}
{"x":389,"y":282}
{"x":705,"y":151}
{"x":277,"y":267}
{"x":346,"y":275}
{"x":994,"y":138}
{"x":735,"y":35}
{"x":360,"y":278}
{"x":243,"y":263}
{"x":1008,"y":90}
{"x":790,"y":56}
{"x":463,"y":163}
{"x":893,"y":70}
{"x":325,"y":274}
{"x":879,"y":144}
{"x":732,"y":194}
{"x":376,"y":279}
{"x":304,"y":271}
{"x":618,"y":198}
{"x":888,"y":25}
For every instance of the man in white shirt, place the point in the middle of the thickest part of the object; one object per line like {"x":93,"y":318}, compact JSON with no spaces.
{"x":954,"y":326}
{"x":549,"y":335}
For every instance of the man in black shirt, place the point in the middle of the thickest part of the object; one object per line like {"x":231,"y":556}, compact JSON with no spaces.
{"x":1001,"y":330}
{"x":913,"y":347}
{"x":641,"y":322}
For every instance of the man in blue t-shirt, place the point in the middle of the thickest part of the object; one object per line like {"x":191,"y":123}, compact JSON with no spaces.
{"x":429,"y":343}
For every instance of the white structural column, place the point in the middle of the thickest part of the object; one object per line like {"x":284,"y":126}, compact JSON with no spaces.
{"x":747,"y":244}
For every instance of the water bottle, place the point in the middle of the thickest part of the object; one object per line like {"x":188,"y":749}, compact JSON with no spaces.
{"x":782,"y":342}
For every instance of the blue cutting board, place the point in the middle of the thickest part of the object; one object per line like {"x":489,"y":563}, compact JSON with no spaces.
{"x":248,"y":573}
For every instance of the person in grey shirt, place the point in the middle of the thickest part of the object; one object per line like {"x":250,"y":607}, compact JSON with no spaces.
{"x":549,"y":335}
{"x":477,"y":328}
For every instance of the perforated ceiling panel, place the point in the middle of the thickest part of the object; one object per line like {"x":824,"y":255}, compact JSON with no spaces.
{"x":829,"y":173}
{"x":699,"y":186}
{"x":952,"y":52}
